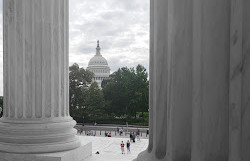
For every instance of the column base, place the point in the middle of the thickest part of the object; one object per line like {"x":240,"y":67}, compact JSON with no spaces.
{"x":78,"y":154}
{"x":34,"y":137}
{"x":146,"y":156}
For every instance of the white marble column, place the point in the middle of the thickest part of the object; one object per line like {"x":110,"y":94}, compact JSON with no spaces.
{"x":245,"y":88}
{"x":235,"y":92}
{"x":221,"y":112}
{"x":36,"y":113}
{"x":199,"y":81}
{"x":170,"y":81}
{"x":239,"y":107}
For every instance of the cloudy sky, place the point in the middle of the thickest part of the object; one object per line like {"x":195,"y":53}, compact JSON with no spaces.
{"x":121,"y":26}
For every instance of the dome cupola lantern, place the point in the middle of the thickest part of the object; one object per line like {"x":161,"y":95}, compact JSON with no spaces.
{"x":98,"y":48}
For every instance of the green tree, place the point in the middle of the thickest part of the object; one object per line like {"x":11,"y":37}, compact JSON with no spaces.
{"x":79,"y":80}
{"x":116,"y":91}
{"x":95,"y":102}
{"x":127,"y":91}
{"x":141,"y":99}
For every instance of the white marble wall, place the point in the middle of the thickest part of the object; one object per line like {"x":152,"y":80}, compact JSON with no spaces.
{"x":199,"y":81}
{"x":36,"y":85}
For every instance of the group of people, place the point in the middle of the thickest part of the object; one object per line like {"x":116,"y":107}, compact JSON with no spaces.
{"x":133,"y":135}
{"x":107,"y":134}
{"x":90,"y":133}
{"x":132,"y":138}
{"x":128,"y":147}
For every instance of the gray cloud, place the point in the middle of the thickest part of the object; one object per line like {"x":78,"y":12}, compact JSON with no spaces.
{"x":119,"y":25}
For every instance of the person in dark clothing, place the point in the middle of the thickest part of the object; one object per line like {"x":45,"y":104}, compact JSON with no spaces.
{"x":133,"y":137}
{"x":128,"y":146}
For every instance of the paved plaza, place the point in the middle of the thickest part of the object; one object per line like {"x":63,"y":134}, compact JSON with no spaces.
{"x":109,"y":148}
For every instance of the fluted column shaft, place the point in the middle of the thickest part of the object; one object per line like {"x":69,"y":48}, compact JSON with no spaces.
{"x":199,"y":81}
{"x":239,"y":91}
{"x":170,"y":81}
{"x":36,"y":59}
{"x":36,"y":77}
{"x":211,"y":55}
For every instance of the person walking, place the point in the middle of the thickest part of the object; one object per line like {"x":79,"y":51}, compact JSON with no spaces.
{"x":138,"y":134}
{"x":122,"y":147}
{"x":120,"y":132}
{"x":128,"y":146}
{"x":133,"y":135}
{"x":81,"y":131}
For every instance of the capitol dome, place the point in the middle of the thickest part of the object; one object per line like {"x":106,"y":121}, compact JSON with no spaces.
{"x":99,"y":66}
{"x":98,"y":60}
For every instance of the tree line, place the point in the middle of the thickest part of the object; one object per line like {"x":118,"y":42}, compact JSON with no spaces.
{"x":122,"y":98}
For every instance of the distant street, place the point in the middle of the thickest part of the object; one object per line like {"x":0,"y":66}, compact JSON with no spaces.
{"x":99,"y":130}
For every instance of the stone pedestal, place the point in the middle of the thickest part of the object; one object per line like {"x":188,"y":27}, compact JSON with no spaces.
{"x":199,"y":81}
{"x":36,"y":114}
{"x":78,"y":154}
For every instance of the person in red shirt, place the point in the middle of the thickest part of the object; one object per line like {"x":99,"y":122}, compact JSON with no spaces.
{"x":122,"y":147}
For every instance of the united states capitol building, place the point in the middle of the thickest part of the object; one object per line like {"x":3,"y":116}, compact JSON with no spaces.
{"x":99,"y":66}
